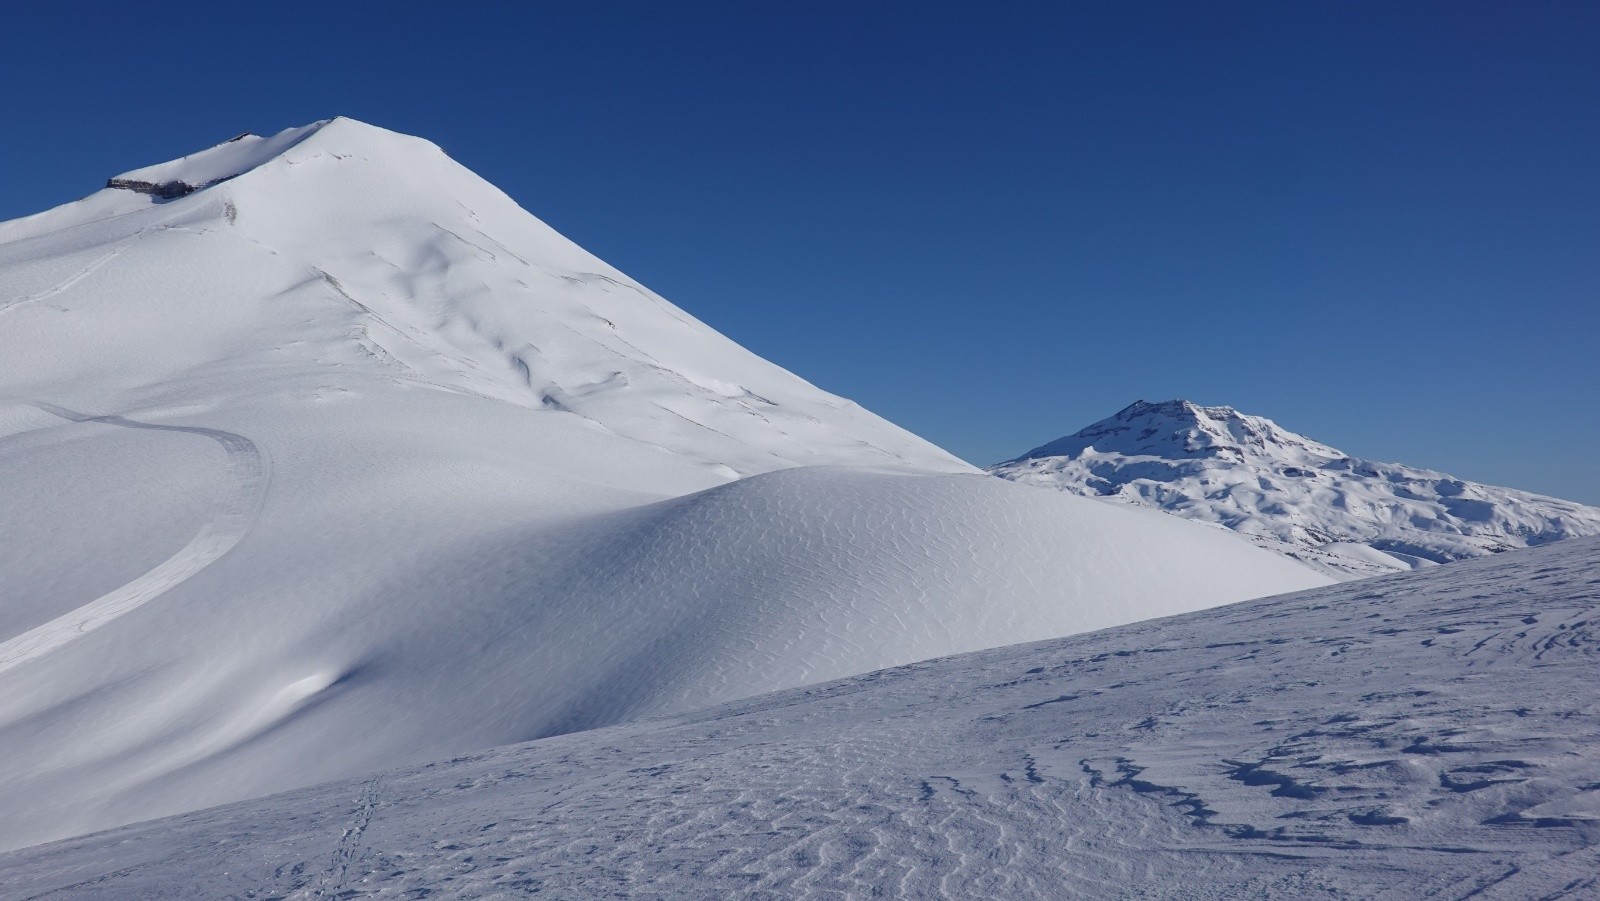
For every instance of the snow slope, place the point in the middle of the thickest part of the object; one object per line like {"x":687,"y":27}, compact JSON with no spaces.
{"x":346,"y":247}
{"x":1426,"y":734}
{"x":345,"y":460}
{"x":1283,"y":491}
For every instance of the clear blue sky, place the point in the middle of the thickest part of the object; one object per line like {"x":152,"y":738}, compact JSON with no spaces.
{"x":1378,"y":223}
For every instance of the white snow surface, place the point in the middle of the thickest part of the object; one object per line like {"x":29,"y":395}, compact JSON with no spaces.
{"x":1346,"y":516}
{"x":1430,"y":734}
{"x":353,"y":249}
{"x":346,"y":461}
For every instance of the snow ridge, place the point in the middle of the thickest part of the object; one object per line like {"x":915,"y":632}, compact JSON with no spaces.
{"x":198,"y":171}
{"x":1284,"y":491}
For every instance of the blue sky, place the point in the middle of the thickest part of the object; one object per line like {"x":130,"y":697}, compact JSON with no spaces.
{"x":1377,"y":223}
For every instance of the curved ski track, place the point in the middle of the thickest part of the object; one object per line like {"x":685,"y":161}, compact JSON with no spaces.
{"x":230,"y":520}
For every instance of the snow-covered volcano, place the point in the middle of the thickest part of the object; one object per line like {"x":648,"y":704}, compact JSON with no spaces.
{"x":340,"y":247}
{"x":1289,"y":493}
{"x":318,"y":454}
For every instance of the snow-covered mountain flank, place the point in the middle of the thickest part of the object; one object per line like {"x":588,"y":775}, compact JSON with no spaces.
{"x":319,"y":455}
{"x":1283,"y":491}
{"x":379,"y":254}
{"x":1428,"y":734}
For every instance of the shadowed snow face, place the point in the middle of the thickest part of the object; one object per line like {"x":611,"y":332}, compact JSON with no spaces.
{"x":1429,"y":733}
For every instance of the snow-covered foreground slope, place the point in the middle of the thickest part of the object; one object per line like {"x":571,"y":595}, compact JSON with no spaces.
{"x":347,"y":461}
{"x":1428,"y":734}
{"x":1283,"y":491}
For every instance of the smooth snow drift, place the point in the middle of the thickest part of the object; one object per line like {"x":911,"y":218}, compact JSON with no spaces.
{"x":334,"y":458}
{"x":1283,"y":491}
{"x":232,"y":518}
{"x":1424,"y":735}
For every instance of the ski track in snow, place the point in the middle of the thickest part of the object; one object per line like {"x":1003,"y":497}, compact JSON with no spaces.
{"x":1431,"y":734}
{"x":351,"y":850}
{"x":64,"y":285}
{"x":229,"y":522}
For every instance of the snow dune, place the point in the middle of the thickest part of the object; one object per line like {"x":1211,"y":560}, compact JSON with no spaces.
{"x":346,"y":461}
{"x":1428,"y":734}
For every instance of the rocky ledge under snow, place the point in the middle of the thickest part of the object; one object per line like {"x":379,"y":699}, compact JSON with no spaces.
{"x":165,"y":190}
{"x":212,"y":166}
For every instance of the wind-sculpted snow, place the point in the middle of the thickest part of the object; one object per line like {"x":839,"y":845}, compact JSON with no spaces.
{"x":504,"y":499}
{"x":809,"y":574}
{"x":1429,"y":734}
{"x":1283,"y":491}
{"x":251,"y":677}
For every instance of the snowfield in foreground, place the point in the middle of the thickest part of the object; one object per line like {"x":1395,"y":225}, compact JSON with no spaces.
{"x":1429,"y":734}
{"x":1346,"y":516}
{"x":319,"y":455}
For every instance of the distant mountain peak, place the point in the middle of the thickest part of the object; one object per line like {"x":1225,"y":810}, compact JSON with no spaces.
{"x":1175,"y":407}
{"x":1289,"y":493}
{"x":1182,"y":429}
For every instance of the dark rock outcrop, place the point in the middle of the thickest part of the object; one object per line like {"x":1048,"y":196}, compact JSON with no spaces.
{"x":166,"y":190}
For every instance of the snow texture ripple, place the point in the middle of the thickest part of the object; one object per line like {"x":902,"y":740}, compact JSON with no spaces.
{"x":1427,"y":734}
